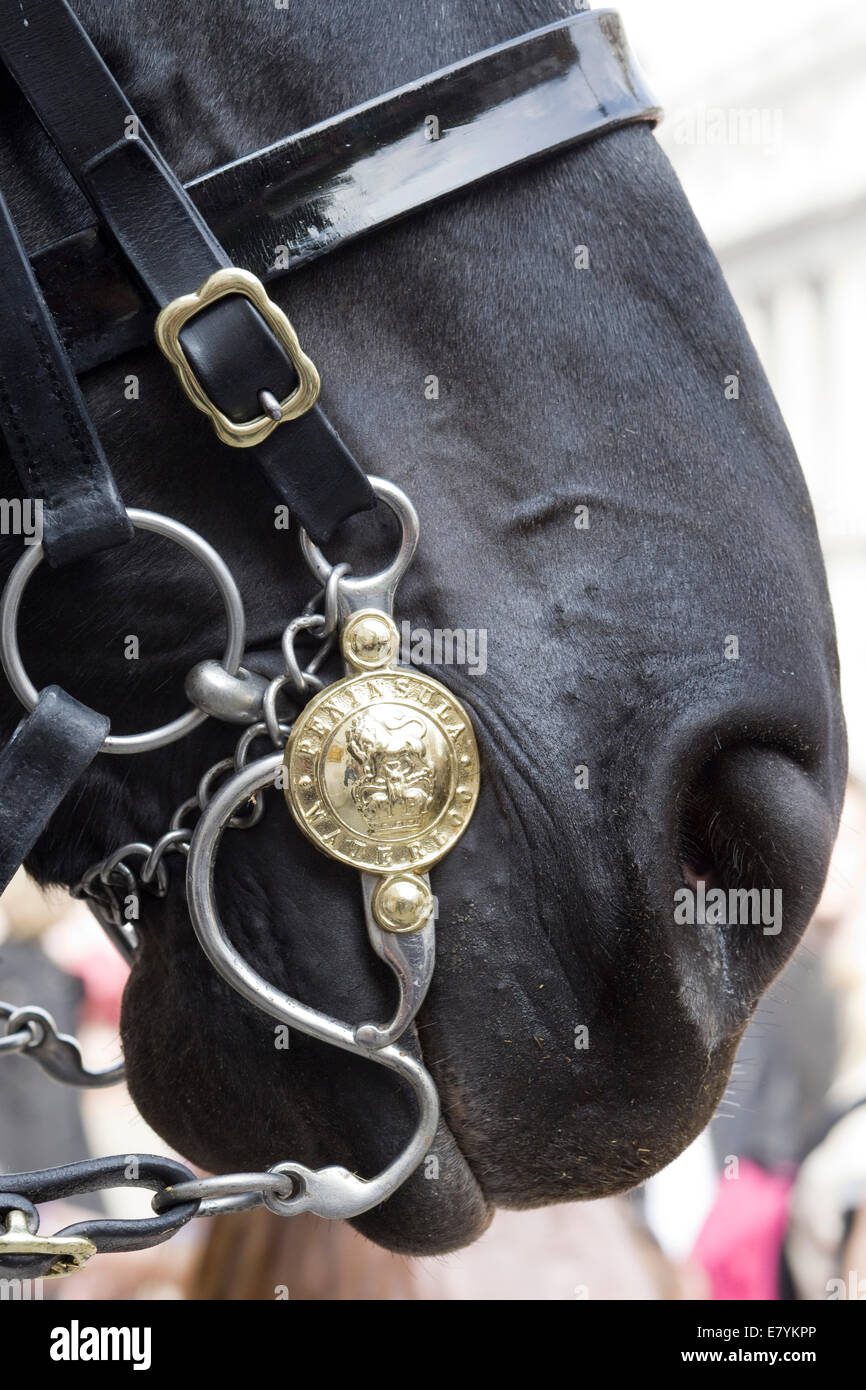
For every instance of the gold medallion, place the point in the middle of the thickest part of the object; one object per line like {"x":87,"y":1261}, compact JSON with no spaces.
{"x":382,"y":765}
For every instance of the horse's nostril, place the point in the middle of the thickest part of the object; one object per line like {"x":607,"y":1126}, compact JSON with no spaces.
{"x":754,"y":819}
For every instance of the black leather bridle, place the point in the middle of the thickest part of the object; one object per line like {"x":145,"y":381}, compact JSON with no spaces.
{"x":151,"y":243}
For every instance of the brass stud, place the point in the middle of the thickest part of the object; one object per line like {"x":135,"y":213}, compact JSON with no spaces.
{"x":402,"y":902}
{"x":370,"y":640}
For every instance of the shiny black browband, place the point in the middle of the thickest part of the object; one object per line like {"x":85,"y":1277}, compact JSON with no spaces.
{"x":313,"y":192}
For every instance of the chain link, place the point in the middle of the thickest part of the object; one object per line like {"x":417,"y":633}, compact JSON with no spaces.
{"x":21,"y":1038}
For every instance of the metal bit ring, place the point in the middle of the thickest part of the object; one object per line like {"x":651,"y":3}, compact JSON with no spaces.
{"x":10,"y":653}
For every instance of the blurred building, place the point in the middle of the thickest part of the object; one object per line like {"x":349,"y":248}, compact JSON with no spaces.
{"x":765,"y":112}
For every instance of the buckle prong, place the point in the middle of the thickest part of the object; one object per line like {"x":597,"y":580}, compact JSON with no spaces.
{"x":270,"y":405}
{"x":248,"y":433}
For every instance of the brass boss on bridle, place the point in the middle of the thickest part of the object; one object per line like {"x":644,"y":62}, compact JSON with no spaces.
{"x":380,"y":769}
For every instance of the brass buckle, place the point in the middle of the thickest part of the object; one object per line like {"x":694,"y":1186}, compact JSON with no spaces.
{"x":71,"y":1252}
{"x":171,"y":320}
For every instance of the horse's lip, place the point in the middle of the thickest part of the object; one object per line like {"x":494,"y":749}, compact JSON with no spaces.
{"x":403,"y":1223}
{"x":448,"y":1108}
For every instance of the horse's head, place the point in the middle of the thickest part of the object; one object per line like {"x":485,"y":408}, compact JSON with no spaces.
{"x":610,"y":502}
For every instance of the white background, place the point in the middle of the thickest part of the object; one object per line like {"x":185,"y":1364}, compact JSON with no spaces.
{"x":787,"y":219}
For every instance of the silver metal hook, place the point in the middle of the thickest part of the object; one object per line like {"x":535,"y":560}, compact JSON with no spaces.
{"x":57,"y":1053}
{"x":372,"y":590}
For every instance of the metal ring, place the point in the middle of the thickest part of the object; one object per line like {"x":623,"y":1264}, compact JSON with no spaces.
{"x":222,"y":1185}
{"x":269,"y":709}
{"x":332,"y":596}
{"x":318,"y":659}
{"x":115,"y":863}
{"x":243,"y":820}
{"x":35,"y":1028}
{"x":372,"y":590}
{"x":203,"y":790}
{"x":10,"y":654}
{"x":183,"y":810}
{"x":274,"y":726}
{"x":109,"y":873}
{"x":280,"y":1204}
{"x":90,"y":885}
{"x":329,"y":596}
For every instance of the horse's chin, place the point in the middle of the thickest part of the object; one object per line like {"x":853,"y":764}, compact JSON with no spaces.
{"x":452,"y":1197}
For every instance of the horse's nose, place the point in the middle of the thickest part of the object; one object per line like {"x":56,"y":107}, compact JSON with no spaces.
{"x":755,"y":835}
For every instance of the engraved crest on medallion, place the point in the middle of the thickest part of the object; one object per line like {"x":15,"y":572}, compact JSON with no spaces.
{"x":392,"y":776}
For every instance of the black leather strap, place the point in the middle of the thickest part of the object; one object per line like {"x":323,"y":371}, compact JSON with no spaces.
{"x":97,"y":1175}
{"x":47,"y":753}
{"x":313,"y":192}
{"x":44,"y":420}
{"x":172,"y":251}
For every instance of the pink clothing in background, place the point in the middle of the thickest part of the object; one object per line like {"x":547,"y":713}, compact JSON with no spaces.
{"x":741,"y":1240}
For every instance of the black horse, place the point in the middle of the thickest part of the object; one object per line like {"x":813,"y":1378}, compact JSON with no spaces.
{"x":676,"y":644}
